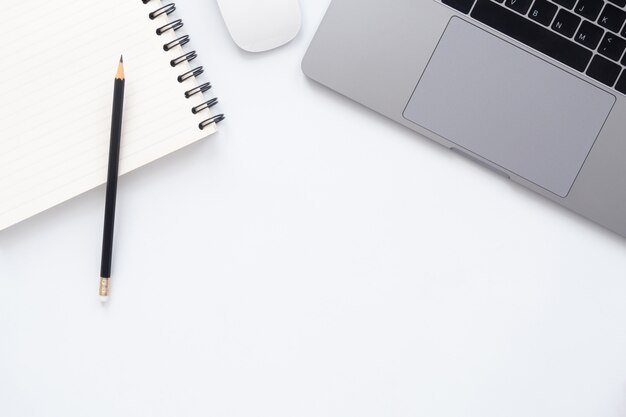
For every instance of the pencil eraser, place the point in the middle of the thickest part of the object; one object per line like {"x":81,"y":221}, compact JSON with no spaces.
{"x":104,"y":298}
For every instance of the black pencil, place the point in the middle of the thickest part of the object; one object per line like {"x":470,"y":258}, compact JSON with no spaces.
{"x":111,"y":189}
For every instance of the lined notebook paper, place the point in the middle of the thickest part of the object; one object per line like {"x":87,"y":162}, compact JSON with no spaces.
{"x":56,"y":88}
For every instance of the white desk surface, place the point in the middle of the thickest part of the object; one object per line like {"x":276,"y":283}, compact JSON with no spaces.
{"x":311,"y":259}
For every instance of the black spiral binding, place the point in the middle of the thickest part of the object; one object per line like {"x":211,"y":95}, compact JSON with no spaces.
{"x":176,"y":42}
{"x":174,"y":25}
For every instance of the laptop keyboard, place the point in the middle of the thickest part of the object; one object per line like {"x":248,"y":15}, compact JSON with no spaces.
{"x":586,"y":35}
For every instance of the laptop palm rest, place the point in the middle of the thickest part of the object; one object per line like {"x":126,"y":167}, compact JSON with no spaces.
{"x":511,"y":108}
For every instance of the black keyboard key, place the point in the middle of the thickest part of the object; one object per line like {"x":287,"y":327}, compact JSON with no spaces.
{"x":612,"y":46}
{"x":621,"y":83}
{"x":589,"y":8}
{"x":543,"y":12}
{"x":566,"y":23}
{"x":520,"y":6}
{"x":568,"y":4}
{"x":620,"y":3}
{"x":603,"y":70}
{"x":612,"y":18}
{"x":589,"y":35}
{"x":463,"y":6}
{"x":531,"y":34}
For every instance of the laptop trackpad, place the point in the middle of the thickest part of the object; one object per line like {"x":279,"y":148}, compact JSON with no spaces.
{"x":509,"y":107}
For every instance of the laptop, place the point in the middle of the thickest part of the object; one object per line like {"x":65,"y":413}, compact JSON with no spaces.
{"x":532,"y":89}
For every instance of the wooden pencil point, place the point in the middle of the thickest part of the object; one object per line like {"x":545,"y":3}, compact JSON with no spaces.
{"x":120,"y":70}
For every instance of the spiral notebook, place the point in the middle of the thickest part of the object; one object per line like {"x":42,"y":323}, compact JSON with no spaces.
{"x":56,"y":86}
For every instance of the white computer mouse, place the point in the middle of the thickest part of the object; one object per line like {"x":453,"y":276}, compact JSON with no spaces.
{"x":261,"y":25}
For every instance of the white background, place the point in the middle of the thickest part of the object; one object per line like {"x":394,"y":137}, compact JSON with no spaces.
{"x":311,"y":259}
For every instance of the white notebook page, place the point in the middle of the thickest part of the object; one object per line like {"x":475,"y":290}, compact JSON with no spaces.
{"x":56,"y":89}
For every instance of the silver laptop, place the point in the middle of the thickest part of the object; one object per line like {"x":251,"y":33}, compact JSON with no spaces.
{"x":533,"y":89}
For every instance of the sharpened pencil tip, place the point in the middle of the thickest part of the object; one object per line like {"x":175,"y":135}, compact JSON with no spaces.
{"x":120,"y":70}
{"x":121,"y":58}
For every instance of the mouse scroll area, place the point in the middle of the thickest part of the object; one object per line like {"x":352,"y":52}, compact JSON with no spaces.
{"x":509,"y":107}
{"x":261,"y":25}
